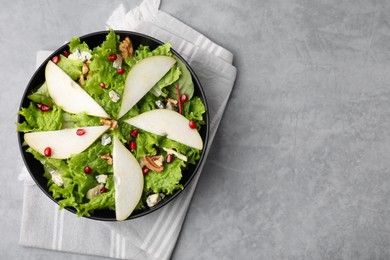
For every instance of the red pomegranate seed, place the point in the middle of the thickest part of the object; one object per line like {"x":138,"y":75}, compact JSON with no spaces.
{"x":145,"y":170}
{"x":66,"y":53}
{"x":80,"y":131}
{"x":183,"y":98}
{"x":112,"y":57}
{"x":169,"y":158}
{"x":56,"y":59}
{"x":103,"y":190}
{"x":87,"y":169}
{"x":45,"y":108}
{"x":102,"y":85}
{"x":192,"y":124}
{"x":47,"y":151}
{"x":134,"y":133}
{"x":133,"y":145}
{"x":121,"y":71}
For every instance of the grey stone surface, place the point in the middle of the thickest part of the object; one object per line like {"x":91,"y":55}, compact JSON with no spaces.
{"x":300,"y":167}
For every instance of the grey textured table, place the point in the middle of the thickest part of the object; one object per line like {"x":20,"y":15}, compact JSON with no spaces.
{"x":300,"y":167}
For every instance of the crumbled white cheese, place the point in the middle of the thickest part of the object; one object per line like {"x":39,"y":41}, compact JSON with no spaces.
{"x":114,"y":96}
{"x":56,"y":177}
{"x":153,"y":199}
{"x":94,"y":192}
{"x":178,"y":155}
{"x":118,"y":62}
{"x":160,"y":104}
{"x":77,"y":55}
{"x":102,"y":178}
{"x":106,"y":139}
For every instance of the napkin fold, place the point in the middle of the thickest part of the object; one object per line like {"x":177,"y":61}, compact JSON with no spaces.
{"x":153,"y":236}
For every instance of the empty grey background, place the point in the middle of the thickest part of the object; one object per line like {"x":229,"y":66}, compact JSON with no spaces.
{"x":300,"y":167}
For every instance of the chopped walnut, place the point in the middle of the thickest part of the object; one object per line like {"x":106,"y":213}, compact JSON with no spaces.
{"x":126,"y":48}
{"x":107,"y":157}
{"x":84,"y":72}
{"x":154,"y":163}
{"x":171,"y":104}
{"x":111,"y":122}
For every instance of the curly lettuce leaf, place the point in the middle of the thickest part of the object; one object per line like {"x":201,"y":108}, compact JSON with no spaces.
{"x":109,"y":46}
{"x":76,"y":44}
{"x":37,"y":120}
{"x":166,"y":181}
{"x":194,"y":110}
{"x":71,"y":67}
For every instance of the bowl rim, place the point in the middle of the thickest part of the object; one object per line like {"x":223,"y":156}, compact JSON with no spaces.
{"x":198,"y":165}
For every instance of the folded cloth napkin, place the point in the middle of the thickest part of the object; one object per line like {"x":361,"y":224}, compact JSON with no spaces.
{"x":153,"y":236}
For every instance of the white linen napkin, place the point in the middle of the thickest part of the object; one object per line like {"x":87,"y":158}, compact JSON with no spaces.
{"x":153,"y":236}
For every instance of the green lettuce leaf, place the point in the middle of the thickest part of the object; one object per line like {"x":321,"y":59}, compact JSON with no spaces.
{"x":166,"y":181}
{"x":169,"y":78}
{"x":41,"y":96}
{"x":186,"y":85}
{"x":70,"y":67}
{"x":37,"y":120}
{"x":79,"y":120}
{"x":194,"y":110}
{"x":76,"y":43}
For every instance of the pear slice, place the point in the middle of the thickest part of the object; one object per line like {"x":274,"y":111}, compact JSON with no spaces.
{"x":142,"y":77}
{"x":64,"y":143}
{"x":170,"y":124}
{"x":67,"y":94}
{"x":128,"y":180}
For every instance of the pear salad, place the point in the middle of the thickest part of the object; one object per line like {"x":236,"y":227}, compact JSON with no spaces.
{"x":113,"y":126}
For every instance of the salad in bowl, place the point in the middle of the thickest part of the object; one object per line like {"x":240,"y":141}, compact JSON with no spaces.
{"x":113,"y":125}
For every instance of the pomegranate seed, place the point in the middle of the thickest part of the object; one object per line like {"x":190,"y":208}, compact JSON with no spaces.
{"x":80,"y":131}
{"x":87,"y":169}
{"x":145,"y":170}
{"x":112,"y":57}
{"x":183,"y":98}
{"x":56,"y":59}
{"x":103,"y":190}
{"x":47,"y":151}
{"x":102,"y":85}
{"x":133,"y":145}
{"x":134,"y":133}
{"x":66,"y":53}
{"x":121,"y":71}
{"x":39,"y":105}
{"x":45,"y":108}
{"x":192,"y":124}
{"x":169,"y":158}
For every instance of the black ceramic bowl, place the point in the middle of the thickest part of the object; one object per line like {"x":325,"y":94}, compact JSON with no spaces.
{"x":94,"y":39}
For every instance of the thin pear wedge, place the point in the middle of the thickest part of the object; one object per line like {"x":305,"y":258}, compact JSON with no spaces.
{"x":64,"y":143}
{"x":67,"y":94}
{"x":142,"y":77}
{"x":168,"y":123}
{"x":128,"y":180}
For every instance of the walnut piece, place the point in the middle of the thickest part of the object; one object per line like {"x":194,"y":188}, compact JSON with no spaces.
{"x":126,"y":48}
{"x":154,"y":163}
{"x":171,"y":104}
{"x":107,"y":157}
{"x":111,"y":122}
{"x":84,"y":72}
